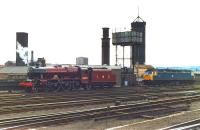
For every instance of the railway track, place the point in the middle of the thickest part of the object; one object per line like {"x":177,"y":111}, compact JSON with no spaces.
{"x":54,"y":105}
{"x":52,"y":101}
{"x":133,"y":110}
{"x":105,"y":90}
{"x":39,"y":98}
{"x":32,"y":100}
{"x":68,"y":97}
{"x":190,"y":125}
{"x":11,"y":107}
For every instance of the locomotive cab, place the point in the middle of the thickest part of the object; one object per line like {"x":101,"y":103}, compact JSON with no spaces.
{"x":149,"y":74}
{"x":84,"y":76}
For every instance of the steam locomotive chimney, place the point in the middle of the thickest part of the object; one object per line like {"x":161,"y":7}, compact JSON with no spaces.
{"x":105,"y":47}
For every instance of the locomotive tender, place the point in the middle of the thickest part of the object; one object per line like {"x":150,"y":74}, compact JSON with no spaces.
{"x":67,"y":78}
{"x":168,"y":77}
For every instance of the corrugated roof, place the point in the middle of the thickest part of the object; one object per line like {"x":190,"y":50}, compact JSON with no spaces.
{"x":101,"y":66}
{"x":14,"y":69}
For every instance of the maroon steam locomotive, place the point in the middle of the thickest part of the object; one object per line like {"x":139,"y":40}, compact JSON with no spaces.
{"x":67,"y":78}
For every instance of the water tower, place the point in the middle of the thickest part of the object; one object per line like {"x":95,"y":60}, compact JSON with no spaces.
{"x":138,"y":49}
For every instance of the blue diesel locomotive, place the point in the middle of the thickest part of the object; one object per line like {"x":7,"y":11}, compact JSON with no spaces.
{"x":168,"y":77}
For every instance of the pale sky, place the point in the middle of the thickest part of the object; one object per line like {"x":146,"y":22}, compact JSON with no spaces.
{"x":61,"y":30}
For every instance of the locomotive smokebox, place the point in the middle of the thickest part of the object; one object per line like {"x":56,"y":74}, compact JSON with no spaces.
{"x":105,"y":47}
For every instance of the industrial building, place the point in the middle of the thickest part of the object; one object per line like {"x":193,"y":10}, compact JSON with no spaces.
{"x":81,"y":61}
{"x":14,"y":72}
{"x":135,"y":39}
{"x":10,"y":77}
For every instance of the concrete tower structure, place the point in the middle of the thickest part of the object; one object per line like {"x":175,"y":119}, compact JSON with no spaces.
{"x":105,"y":47}
{"x":138,"y":49}
{"x":21,"y":49}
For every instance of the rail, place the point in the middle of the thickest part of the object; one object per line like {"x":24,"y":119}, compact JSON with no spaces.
{"x":135,"y":110}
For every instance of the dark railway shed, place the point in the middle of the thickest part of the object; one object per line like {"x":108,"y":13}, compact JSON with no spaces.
{"x":10,"y":76}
